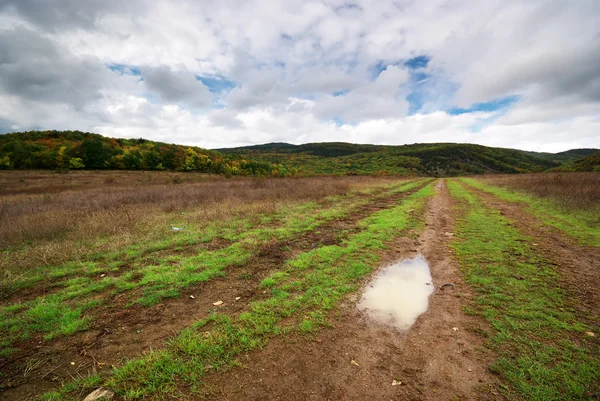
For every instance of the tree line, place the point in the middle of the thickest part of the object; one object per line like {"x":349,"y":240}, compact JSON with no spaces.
{"x":83,"y":150}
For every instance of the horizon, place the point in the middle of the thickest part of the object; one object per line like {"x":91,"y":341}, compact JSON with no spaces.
{"x":499,"y":74}
{"x":325,"y":142}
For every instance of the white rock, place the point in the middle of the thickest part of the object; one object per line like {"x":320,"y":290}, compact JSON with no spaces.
{"x":218,"y":303}
{"x":99,"y":394}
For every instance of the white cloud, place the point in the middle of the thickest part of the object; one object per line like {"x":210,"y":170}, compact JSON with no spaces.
{"x":298,"y":66}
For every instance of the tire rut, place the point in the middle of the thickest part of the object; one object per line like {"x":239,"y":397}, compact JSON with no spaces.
{"x":577,"y":265}
{"x":121,"y":332}
{"x":357,"y":359}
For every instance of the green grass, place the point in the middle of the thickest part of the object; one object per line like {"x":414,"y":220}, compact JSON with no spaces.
{"x":583,"y":226}
{"x":543,"y":351}
{"x":300,"y":299}
{"x":75,"y":300}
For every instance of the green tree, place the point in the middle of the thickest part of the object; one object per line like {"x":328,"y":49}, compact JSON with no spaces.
{"x":76,"y":163}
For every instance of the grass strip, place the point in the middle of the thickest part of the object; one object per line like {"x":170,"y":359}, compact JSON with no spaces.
{"x":581,"y":225}
{"x":70,"y":309}
{"x":301,"y":296}
{"x":544,"y":353}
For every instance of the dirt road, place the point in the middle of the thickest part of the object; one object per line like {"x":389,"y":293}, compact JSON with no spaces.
{"x":439,"y":358}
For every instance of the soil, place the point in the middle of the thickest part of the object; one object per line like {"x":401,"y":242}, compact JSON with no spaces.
{"x":122,"y":332}
{"x":439,"y":358}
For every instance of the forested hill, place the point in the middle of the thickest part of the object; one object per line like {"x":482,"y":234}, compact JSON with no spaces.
{"x":78,"y":150}
{"x":436,"y":159}
{"x":588,"y":163}
{"x":566,"y":156}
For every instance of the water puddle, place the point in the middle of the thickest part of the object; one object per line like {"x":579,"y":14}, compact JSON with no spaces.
{"x":399,"y":293}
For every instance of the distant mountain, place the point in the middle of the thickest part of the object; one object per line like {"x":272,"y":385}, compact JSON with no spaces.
{"x":566,"y":156}
{"x":588,"y":163}
{"x":78,"y":150}
{"x":436,"y":159}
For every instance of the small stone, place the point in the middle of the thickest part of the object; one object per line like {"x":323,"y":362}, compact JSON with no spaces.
{"x":99,"y":394}
{"x":353,"y":362}
{"x":218,"y":303}
{"x":238,"y":298}
{"x":396,"y":383}
{"x":469,"y":370}
{"x":455,"y":328}
{"x":72,"y":363}
{"x":589,"y":333}
{"x":102,"y":275}
{"x":192,"y":297}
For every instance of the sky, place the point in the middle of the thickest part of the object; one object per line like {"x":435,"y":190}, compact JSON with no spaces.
{"x":507,"y":73}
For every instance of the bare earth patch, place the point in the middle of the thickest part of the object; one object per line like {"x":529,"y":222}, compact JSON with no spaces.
{"x":439,"y":358}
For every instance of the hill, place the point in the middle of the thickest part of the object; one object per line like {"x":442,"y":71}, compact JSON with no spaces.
{"x":566,"y":156}
{"x":587,"y":163}
{"x":436,"y":159}
{"x":77,"y":150}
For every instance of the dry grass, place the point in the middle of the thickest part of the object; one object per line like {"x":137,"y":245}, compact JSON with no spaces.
{"x":580,"y":191}
{"x":50,"y":218}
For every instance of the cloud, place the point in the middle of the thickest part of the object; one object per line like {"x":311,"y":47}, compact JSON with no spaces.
{"x":37,"y":68}
{"x":507,"y":73}
{"x":55,"y":15}
{"x":177,"y":86}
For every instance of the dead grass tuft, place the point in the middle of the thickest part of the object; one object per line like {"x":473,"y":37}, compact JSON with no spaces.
{"x":49,"y":218}
{"x":571,"y":190}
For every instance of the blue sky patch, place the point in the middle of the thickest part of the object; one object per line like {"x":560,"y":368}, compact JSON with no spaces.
{"x":339,"y":122}
{"x":216,"y":84}
{"x":341,"y":93}
{"x":418,"y":76}
{"x":492,"y":105}
{"x":377,"y":69}
{"x":124,"y":69}
{"x":417,"y":62}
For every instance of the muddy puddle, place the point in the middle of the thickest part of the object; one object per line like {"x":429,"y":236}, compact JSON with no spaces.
{"x":399,"y":293}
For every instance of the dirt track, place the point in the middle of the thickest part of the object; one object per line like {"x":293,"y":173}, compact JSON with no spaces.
{"x":432,"y":360}
{"x":578,"y":266}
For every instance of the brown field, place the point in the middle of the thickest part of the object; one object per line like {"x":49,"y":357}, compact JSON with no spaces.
{"x":43,"y":215}
{"x":571,"y":190}
{"x":256,"y":297}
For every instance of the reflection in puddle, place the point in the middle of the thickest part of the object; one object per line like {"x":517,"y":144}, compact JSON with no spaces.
{"x":399,"y":293}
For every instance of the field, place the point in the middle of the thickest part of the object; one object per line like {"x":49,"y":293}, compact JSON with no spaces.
{"x":159,"y":285}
